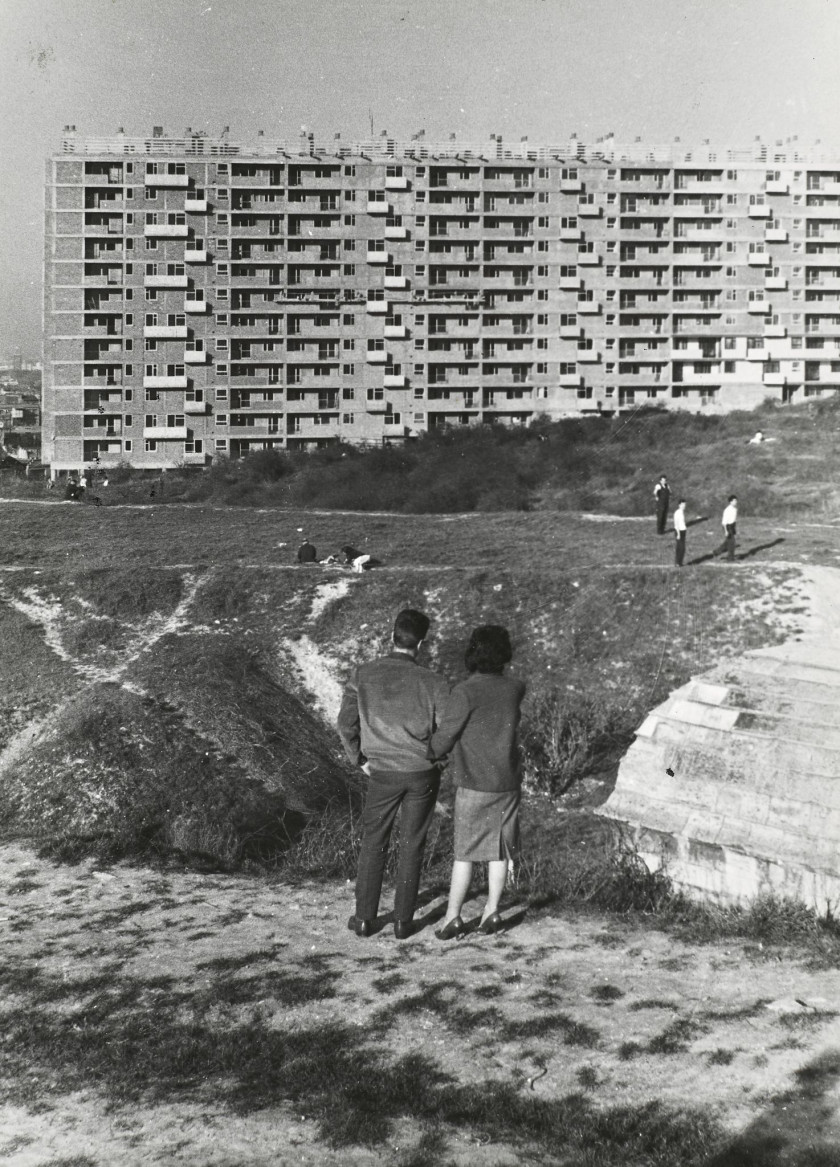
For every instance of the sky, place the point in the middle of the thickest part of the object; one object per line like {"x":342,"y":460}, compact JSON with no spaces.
{"x":727,"y":70}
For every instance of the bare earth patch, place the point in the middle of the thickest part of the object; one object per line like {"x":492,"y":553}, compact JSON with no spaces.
{"x":124,"y":990}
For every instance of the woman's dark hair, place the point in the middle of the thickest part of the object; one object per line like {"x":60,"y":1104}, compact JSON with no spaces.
{"x":489,"y":649}
{"x":410,"y":627}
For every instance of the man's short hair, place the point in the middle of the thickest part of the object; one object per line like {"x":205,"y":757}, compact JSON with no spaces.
{"x":733,"y":498}
{"x":681,"y":503}
{"x":489,"y":649}
{"x":410,"y":627}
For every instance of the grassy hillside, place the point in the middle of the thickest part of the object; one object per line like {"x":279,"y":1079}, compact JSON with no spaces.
{"x":170,"y":682}
{"x":595,"y":464}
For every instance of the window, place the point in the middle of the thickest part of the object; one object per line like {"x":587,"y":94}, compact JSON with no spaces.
{"x":542,"y":221}
{"x":349,"y":220}
{"x":349,"y":269}
{"x":348,"y":318}
{"x":349,"y":171}
{"x":348,"y":370}
{"x":542,"y":293}
{"x":542,"y":368}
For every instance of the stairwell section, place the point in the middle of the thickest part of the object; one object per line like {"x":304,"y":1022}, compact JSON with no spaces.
{"x":733,"y":783}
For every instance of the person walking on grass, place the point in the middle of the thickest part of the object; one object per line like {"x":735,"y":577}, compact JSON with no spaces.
{"x":729,"y":521}
{"x":306,"y":553}
{"x":679,"y":531}
{"x":662,"y":494}
{"x":479,"y":733}
{"x":390,"y":709}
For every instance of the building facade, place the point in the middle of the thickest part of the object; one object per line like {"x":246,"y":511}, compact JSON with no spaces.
{"x":203,"y":297}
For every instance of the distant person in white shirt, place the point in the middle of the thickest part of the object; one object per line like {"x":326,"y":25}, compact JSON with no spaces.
{"x":729,"y":520}
{"x":679,"y":531}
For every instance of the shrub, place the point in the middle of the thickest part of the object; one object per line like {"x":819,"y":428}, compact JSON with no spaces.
{"x":569,"y":735}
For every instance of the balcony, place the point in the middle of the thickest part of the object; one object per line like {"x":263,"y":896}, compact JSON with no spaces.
{"x":396,"y":232}
{"x":194,"y":307}
{"x":378,"y":307}
{"x":775,"y":235}
{"x":166,"y":282}
{"x":569,"y":331}
{"x":759,"y":307}
{"x":395,"y":332}
{"x":194,"y":356}
{"x":588,"y":258}
{"x":194,"y":459}
{"x":776,"y":187}
{"x":396,"y":282}
{"x":168,"y":180}
{"x":166,"y":331}
{"x":394,"y":381}
{"x":758,"y":258}
{"x":589,"y":211}
{"x":758,"y":354}
{"x":165,"y":383}
{"x":570,"y":235}
{"x":378,"y":256}
{"x":774,"y":378}
{"x":166,"y":230}
{"x":195,"y":255}
{"x":378,"y":207}
{"x":171,"y":433}
{"x":588,"y":356}
{"x":775,"y":330}
{"x":588,"y":307}
{"x":569,"y":380}
{"x":376,"y":357}
{"x":772,"y":282}
{"x":195,"y":206}
{"x":571,"y":185}
{"x":195,"y":407}
{"x":759,"y":211}
{"x":396,"y":182}
{"x":569,"y":284}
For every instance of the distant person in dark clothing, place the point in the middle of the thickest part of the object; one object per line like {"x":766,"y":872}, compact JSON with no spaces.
{"x":662,"y":494}
{"x":390,"y":709}
{"x":729,"y":520}
{"x":478,"y":732}
{"x":679,"y":531}
{"x":306,"y":552}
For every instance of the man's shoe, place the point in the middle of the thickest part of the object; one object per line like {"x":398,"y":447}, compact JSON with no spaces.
{"x":360,"y":927}
{"x":454,"y":930}
{"x":403,"y":929}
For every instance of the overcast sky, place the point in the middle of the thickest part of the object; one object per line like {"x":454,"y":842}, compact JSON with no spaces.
{"x":722,"y":69}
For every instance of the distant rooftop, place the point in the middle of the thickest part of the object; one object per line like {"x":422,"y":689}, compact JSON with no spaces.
{"x":198,"y":144}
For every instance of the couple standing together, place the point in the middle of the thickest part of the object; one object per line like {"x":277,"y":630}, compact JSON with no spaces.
{"x":398,"y":722}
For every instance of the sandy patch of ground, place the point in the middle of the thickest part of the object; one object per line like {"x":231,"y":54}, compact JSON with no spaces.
{"x":553,"y":1007}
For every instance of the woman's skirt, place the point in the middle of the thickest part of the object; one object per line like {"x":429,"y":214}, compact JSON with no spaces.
{"x":486,"y":825}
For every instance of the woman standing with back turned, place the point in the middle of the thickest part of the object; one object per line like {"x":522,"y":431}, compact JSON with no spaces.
{"x":478,"y":731}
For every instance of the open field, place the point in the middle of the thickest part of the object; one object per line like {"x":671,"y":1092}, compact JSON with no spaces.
{"x":200,"y":1001}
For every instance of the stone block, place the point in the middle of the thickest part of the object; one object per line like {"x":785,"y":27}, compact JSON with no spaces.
{"x":710,"y":716}
{"x":708,"y":694}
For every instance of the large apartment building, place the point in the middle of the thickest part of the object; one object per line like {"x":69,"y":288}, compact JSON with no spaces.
{"x":204,"y":296}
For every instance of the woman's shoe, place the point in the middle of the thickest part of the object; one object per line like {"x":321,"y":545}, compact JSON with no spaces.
{"x":492,"y":924}
{"x":454,"y":930}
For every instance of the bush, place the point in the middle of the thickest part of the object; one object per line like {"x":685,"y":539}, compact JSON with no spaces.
{"x":567,"y":736}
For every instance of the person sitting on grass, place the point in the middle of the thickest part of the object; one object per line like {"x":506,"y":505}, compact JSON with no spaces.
{"x":478,"y":732}
{"x":306,"y":552}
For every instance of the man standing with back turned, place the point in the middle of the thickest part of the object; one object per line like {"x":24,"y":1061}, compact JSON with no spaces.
{"x":390,"y":709}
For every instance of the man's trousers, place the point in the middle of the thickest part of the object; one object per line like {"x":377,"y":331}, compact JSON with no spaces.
{"x":387,"y":792}
{"x":680,"y":549}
